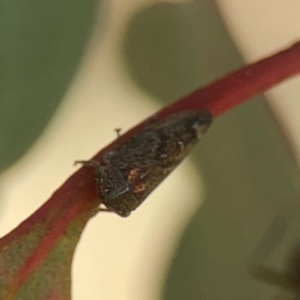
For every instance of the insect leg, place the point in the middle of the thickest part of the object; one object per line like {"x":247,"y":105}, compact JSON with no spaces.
{"x":99,"y":169}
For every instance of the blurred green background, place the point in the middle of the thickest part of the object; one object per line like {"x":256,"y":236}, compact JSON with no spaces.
{"x":41,"y":44}
{"x":247,"y":168}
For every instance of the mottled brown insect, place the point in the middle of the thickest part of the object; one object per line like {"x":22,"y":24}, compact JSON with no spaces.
{"x":131,"y":171}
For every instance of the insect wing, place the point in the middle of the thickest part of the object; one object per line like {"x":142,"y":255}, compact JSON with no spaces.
{"x":133,"y":170}
{"x":151,"y":155}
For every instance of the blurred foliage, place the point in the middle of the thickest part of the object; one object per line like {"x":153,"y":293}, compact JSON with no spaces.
{"x":186,"y":44}
{"x":171,"y":50}
{"x":41,"y":44}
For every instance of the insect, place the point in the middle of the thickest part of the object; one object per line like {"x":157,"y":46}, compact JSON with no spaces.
{"x":131,"y":171}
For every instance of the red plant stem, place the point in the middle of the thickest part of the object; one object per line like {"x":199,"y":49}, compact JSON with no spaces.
{"x":218,"y":97}
{"x":232,"y":90}
{"x":78,"y":194}
{"x":237,"y":87}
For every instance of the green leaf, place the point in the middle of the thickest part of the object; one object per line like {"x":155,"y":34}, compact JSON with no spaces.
{"x":41,"y":44}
